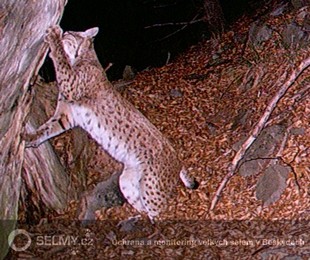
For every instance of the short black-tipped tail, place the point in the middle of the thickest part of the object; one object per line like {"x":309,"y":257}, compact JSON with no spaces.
{"x":188,"y":180}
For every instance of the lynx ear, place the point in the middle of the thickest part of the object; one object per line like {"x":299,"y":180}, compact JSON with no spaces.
{"x":91,"y":33}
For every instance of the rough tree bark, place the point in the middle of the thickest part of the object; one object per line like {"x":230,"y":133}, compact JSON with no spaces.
{"x":22,"y":27}
{"x":42,"y":171}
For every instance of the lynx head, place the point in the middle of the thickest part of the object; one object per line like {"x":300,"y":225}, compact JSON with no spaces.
{"x":78,"y":43}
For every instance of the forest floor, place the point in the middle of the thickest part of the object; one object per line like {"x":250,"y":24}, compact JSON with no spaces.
{"x":206,"y":102}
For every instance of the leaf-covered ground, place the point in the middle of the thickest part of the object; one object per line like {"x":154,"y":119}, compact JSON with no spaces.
{"x":205,"y":102}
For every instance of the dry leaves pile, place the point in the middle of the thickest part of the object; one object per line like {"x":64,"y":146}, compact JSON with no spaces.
{"x":207,"y":100}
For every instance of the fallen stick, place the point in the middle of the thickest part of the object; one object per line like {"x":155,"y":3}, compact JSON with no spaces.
{"x":259,"y":127}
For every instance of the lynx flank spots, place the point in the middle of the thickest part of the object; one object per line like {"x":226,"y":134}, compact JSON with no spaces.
{"x":87,"y":99}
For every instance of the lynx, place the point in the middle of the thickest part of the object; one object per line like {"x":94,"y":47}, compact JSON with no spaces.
{"x":87,"y":99}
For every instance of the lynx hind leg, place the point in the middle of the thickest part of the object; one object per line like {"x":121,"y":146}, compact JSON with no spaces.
{"x":129,"y":183}
{"x":153,"y":198}
{"x":188,"y":180}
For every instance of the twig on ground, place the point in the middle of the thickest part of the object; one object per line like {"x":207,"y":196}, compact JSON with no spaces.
{"x":259,"y":127}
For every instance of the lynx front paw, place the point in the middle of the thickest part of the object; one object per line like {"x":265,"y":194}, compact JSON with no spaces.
{"x":53,"y":34}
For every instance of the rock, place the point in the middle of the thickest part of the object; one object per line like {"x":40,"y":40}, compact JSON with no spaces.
{"x":280,"y":9}
{"x":175,"y":93}
{"x":105,"y":194}
{"x":300,"y":3}
{"x":129,"y":73}
{"x":259,"y":33}
{"x":295,"y":37}
{"x":272,"y":184}
{"x":263,"y":147}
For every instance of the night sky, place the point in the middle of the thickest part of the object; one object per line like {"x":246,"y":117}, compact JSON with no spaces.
{"x":123,"y":38}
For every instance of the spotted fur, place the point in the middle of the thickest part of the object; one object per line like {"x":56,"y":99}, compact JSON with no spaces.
{"x":87,"y":99}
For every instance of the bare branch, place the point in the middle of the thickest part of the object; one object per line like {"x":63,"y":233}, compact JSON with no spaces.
{"x":177,"y":31}
{"x":174,"y":24}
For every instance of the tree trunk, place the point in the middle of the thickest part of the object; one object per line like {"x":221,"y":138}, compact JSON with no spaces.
{"x":213,"y":16}
{"x":42,"y":172}
{"x":22,"y":27}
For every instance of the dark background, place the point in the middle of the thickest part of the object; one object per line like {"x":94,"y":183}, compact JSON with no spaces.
{"x":123,"y":38}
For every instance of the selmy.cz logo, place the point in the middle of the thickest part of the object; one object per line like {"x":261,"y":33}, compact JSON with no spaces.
{"x":20,"y":240}
{"x":19,"y":233}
